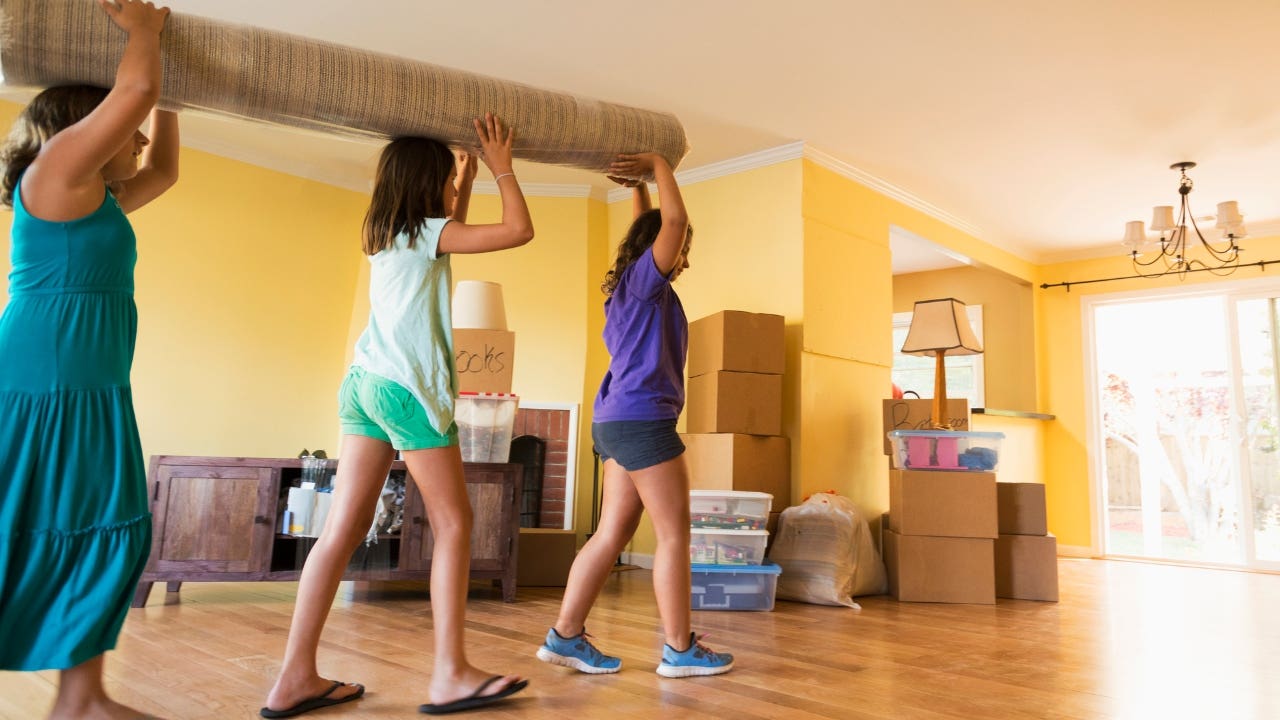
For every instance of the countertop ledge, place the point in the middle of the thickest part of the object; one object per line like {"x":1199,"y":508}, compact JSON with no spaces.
{"x":1012,"y":413}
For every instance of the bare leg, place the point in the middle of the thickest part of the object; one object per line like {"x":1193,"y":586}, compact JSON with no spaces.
{"x":664,"y":490}
{"x":81,"y":696}
{"x":438,"y":474}
{"x":362,"y":471}
{"x":619,"y":517}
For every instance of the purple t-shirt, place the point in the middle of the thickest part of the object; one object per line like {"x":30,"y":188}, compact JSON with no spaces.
{"x":647,"y":336}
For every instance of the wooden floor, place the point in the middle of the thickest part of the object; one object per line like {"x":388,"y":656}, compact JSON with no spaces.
{"x":1128,"y":640}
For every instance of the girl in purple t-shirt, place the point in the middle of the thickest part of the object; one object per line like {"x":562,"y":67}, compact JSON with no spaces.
{"x":634,"y":432}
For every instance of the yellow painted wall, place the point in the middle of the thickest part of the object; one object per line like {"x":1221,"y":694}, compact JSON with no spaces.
{"x":1008,"y":323}
{"x":848,"y":306}
{"x":599,"y":250}
{"x":542,"y":288}
{"x":746,"y":255}
{"x":1061,"y":354}
{"x":243,"y":284}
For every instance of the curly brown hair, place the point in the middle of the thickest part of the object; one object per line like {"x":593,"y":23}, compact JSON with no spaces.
{"x":48,"y":114}
{"x":641,"y":235}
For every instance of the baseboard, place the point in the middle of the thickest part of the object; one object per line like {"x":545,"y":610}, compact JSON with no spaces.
{"x":638,"y":559}
{"x":1076,"y":551}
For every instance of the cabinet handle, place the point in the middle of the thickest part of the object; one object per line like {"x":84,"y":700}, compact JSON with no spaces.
{"x":260,"y":520}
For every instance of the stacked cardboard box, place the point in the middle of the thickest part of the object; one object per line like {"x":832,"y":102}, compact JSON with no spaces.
{"x":1026,"y":555}
{"x":939,"y":543}
{"x":485,"y":359}
{"x":733,"y":408}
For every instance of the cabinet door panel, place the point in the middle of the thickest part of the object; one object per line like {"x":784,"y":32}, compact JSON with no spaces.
{"x":212,"y":519}
{"x":492,"y":490}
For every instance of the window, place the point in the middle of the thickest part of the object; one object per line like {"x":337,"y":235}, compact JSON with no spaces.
{"x":915,"y":373}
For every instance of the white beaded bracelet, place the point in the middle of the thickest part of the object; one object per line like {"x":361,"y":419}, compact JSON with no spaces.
{"x":496,"y":179}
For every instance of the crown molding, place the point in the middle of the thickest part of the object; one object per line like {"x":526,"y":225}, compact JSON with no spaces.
{"x":799,"y":149}
{"x":742,"y":163}
{"x":890,"y":190}
{"x":561,"y":190}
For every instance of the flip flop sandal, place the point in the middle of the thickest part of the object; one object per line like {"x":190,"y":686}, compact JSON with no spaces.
{"x":475,"y":699}
{"x":320,"y":701}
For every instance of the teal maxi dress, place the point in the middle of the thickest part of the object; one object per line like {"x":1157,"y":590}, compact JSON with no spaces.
{"x":75,"y":529}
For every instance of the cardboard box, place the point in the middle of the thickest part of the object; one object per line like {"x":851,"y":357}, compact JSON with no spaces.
{"x":739,"y":342}
{"x":1021,"y":508}
{"x":726,"y":461}
{"x":939,"y":569}
{"x":944,"y":504}
{"x":1027,"y":567}
{"x":913,"y":414}
{"x":485,"y":359}
{"x":734,"y":402}
{"x":545,"y":556}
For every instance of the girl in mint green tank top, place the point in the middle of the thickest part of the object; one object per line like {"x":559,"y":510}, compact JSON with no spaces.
{"x":398,"y":395}
{"x":75,"y":530}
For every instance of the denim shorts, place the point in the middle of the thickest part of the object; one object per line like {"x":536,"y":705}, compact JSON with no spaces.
{"x":637,"y":444}
{"x":373,"y":406}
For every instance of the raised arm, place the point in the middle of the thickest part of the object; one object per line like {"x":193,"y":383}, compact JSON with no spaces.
{"x":669,"y":245}
{"x":67,"y":175}
{"x":516,"y":227}
{"x":640,"y":202}
{"x":158,"y":170}
{"x":462,"y":181}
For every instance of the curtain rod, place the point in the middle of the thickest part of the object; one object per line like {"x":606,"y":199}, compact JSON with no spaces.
{"x":1260,"y":264}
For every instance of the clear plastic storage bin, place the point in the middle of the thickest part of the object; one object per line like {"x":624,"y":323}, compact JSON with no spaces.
{"x":748,"y":587}
{"x":485,"y":422}
{"x":727,"y":547}
{"x":946,"y":450}
{"x":729,"y":509}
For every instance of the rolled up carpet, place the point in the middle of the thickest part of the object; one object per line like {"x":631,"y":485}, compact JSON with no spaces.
{"x":289,"y":80}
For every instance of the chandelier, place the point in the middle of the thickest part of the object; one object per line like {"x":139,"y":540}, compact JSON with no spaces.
{"x":1220,"y":257}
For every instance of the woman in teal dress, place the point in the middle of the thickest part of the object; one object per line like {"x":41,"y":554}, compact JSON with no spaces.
{"x":74,"y":524}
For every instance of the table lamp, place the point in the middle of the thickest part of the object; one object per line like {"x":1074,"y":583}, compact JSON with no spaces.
{"x":940,"y":328}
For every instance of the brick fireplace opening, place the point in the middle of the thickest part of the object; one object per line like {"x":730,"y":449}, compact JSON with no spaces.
{"x":553,"y":425}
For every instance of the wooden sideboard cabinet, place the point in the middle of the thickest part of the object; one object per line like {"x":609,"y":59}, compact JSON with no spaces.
{"x":218,"y":519}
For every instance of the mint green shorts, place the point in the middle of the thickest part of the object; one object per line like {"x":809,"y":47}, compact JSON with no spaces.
{"x":373,"y":406}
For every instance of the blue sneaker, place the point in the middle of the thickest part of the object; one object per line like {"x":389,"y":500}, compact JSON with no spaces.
{"x":697,"y":660}
{"x":578,"y":653}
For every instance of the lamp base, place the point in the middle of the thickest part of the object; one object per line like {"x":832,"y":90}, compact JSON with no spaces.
{"x":939,"y":419}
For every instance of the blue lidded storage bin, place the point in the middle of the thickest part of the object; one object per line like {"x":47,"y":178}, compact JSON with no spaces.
{"x":735,"y":587}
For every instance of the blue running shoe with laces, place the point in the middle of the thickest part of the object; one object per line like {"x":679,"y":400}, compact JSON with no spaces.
{"x":578,"y":653}
{"x":697,"y":660}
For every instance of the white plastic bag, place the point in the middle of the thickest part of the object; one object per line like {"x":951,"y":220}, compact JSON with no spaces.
{"x":826,"y":553}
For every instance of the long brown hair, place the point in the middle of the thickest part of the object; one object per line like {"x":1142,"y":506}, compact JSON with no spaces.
{"x":408,"y":189}
{"x":48,"y":114}
{"x":641,"y":235}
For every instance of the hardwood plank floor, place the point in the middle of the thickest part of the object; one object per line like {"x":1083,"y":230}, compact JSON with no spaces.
{"x":1128,"y":640}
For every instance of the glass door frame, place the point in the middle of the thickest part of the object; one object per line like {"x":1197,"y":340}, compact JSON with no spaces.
{"x":1233,"y":292}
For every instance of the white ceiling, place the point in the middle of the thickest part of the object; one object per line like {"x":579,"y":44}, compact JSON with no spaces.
{"x":1045,"y":125}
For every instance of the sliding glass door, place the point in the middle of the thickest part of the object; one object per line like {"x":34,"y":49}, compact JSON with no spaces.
{"x":1188,"y":438}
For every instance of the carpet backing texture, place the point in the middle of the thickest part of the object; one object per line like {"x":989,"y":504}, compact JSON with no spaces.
{"x":284,"y":79}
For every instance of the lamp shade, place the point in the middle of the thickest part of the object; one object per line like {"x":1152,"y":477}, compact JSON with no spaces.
{"x":1135,"y":235}
{"x":478,"y":304}
{"x":1229,"y":215}
{"x":1162,"y":218}
{"x":940,"y":326}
